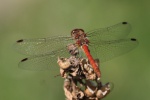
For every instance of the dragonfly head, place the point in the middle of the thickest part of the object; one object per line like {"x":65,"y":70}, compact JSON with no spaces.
{"x":78,"y":34}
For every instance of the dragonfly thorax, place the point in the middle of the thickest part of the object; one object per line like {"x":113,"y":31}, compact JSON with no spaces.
{"x":79,"y":36}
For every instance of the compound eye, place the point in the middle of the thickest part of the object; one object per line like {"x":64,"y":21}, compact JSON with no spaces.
{"x":73,"y":33}
{"x":82,"y":30}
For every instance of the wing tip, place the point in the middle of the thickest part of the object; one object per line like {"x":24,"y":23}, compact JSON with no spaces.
{"x":124,"y":23}
{"x":21,"y":40}
{"x":24,"y":59}
{"x":133,"y":39}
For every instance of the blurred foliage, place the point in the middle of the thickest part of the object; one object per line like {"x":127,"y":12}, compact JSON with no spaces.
{"x":45,"y":18}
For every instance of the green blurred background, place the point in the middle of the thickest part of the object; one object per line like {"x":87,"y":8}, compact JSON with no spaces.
{"x":44,"y":18}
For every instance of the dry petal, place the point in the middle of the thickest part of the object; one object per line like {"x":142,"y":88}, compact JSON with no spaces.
{"x":91,"y":89}
{"x":63,"y":63}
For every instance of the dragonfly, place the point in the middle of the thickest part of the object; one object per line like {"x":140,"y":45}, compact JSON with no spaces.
{"x":103,"y":43}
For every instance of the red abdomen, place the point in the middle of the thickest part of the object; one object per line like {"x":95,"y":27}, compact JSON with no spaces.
{"x":91,"y":60}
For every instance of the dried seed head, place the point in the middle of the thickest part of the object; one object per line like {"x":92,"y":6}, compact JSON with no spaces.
{"x":88,"y":68}
{"x":91,"y":76}
{"x":63,"y":63}
{"x":73,"y":50}
{"x":83,"y":62}
{"x":106,"y":87}
{"x":75,"y":72}
{"x":99,"y":94}
{"x":90,"y":92}
{"x":75,"y":69}
{"x":80,"y":95}
{"x":67,"y":84}
{"x":103,"y":91}
{"x":91,"y":88}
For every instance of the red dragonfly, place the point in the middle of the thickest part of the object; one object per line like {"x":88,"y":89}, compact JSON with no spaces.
{"x":104,"y":43}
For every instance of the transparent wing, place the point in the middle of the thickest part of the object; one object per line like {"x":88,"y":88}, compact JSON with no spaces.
{"x":106,"y":50}
{"x":41,"y":46}
{"x":115,"y":32}
{"x":43,"y":62}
